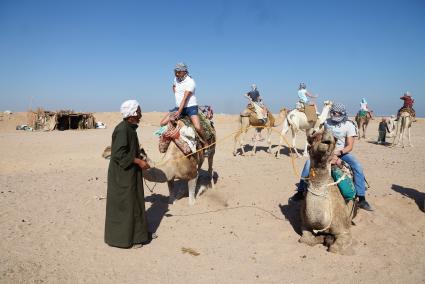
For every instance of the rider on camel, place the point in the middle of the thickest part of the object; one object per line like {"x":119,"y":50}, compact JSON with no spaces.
{"x":256,"y":102}
{"x":407,"y":105}
{"x":304,"y":95}
{"x":186,"y":103}
{"x":364,"y":109}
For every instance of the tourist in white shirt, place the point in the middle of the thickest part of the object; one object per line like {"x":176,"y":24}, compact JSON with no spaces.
{"x":186,"y":104}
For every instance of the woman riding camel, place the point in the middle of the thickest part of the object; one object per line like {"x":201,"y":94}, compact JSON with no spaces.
{"x":344,"y":130}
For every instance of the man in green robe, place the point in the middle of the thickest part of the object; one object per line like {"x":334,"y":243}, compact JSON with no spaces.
{"x":126,"y":223}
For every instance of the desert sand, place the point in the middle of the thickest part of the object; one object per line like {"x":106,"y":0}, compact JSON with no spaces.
{"x":243,"y":231}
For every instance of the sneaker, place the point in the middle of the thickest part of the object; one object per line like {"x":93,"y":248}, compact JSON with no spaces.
{"x":297,"y":197}
{"x":364,"y":205}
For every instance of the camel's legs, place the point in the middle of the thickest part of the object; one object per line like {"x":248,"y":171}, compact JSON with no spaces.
{"x":172,"y":195}
{"x":294,"y":146}
{"x":408,"y":135}
{"x":254,"y":148}
{"x":285,"y":129}
{"x":191,"y":184}
{"x":210,"y":167}
{"x":269,"y":139}
{"x":310,"y":239}
{"x":305,"y":154}
{"x":239,"y":141}
{"x":342,"y":241}
{"x":280,"y":145}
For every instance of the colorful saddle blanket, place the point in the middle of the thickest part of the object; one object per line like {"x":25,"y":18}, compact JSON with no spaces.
{"x":362,"y":113}
{"x":346,"y":185}
{"x":172,"y":133}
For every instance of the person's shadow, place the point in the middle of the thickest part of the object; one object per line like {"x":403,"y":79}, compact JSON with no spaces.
{"x":157,"y":211}
{"x":292,"y":214}
{"x":417,"y":196}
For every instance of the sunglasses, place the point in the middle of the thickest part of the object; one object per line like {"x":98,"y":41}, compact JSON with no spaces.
{"x":336,"y":112}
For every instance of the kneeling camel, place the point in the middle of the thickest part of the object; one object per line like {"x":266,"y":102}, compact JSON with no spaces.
{"x":324,"y":208}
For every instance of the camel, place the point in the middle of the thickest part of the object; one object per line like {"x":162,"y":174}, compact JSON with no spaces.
{"x":362,"y":122}
{"x":404,"y":122}
{"x":176,"y":166}
{"x":324,"y":208}
{"x":296,"y":120}
{"x":391,"y":126}
{"x":247,"y":119}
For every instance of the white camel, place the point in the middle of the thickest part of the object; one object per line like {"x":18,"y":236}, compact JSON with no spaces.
{"x":296,"y":120}
{"x":404,"y":122}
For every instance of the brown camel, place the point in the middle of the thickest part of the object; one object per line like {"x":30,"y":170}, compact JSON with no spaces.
{"x":362,"y":122}
{"x":324,"y":208}
{"x":248,"y":119}
{"x":176,"y":166}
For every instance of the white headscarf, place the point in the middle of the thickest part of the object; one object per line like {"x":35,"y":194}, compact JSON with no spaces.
{"x":129,"y":108}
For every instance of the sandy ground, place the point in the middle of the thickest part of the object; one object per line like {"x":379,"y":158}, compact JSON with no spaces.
{"x":52,"y":221}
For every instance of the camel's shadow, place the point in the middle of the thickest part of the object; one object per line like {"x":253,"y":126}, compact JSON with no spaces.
{"x":292,"y":214}
{"x":248,"y":148}
{"x":285,"y":150}
{"x":157,"y":210}
{"x":417,"y":196}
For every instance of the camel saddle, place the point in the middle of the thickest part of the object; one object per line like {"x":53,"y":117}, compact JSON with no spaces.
{"x":310,"y":112}
{"x":206,"y":125}
{"x":407,"y":109}
{"x":172,"y":133}
{"x":253,"y":117}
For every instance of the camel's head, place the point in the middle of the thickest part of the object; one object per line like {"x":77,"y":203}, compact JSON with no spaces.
{"x":283,"y":112}
{"x":327,"y":103}
{"x":322,"y":145}
{"x":144,"y":156}
{"x":107,"y":154}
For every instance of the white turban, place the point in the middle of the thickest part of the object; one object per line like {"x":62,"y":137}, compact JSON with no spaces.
{"x":129,"y":108}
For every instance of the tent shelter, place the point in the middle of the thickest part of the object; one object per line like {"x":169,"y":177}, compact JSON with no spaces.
{"x":61,"y":120}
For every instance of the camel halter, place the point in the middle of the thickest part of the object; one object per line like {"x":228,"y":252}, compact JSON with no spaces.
{"x":324,"y":194}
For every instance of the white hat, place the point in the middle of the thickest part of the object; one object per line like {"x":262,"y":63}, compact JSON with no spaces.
{"x":129,"y":108}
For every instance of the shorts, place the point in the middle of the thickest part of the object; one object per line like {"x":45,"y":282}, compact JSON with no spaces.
{"x":189,"y":111}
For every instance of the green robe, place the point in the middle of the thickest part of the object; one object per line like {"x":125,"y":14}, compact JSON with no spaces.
{"x":126,"y":222}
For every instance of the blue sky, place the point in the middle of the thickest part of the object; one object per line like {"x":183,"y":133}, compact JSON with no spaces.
{"x":92,"y":55}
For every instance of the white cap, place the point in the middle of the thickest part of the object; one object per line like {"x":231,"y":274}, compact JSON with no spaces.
{"x":129,"y":108}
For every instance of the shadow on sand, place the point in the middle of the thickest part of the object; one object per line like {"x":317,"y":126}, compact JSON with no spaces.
{"x":157,"y":211}
{"x":417,"y":196}
{"x":285,"y":150}
{"x":386,"y":144}
{"x":292,"y":214}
